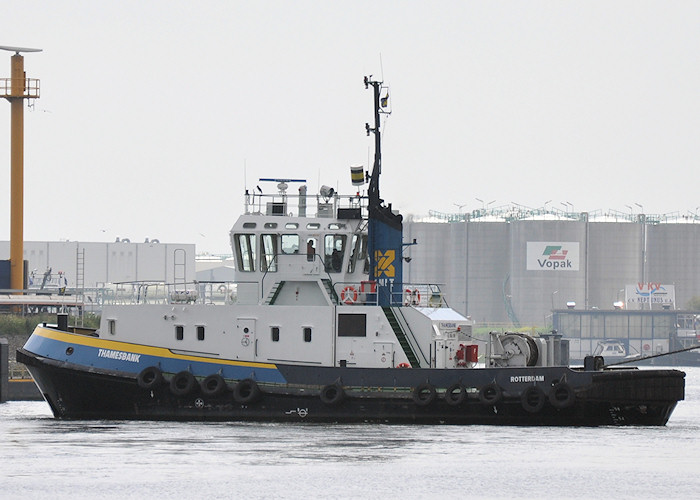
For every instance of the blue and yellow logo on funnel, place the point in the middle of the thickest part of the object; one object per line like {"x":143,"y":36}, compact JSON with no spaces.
{"x":385,"y":263}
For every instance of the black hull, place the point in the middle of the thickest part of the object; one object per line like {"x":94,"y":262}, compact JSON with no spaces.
{"x":618,"y":397}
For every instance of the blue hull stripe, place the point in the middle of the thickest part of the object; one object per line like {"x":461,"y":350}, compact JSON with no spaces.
{"x":93,"y":352}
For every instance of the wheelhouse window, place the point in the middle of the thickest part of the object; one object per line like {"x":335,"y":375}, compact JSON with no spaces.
{"x":179,"y":332}
{"x":112,"y":326}
{"x":275,"y":331}
{"x":307,"y":334}
{"x":245,"y":251}
{"x":290,"y":244}
{"x":352,"y":325}
{"x":200,"y":333}
{"x":268,"y":254}
{"x":359,"y":253}
{"x":333,"y":252}
{"x":362,"y":254}
{"x":310,"y":249}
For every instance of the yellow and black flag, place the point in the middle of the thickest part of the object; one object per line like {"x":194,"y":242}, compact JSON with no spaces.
{"x":357,"y":174}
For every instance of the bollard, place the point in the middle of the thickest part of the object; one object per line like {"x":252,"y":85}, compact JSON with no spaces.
{"x":62,"y":322}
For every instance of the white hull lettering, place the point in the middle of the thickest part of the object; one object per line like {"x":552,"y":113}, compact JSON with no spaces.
{"x":119,"y":355}
{"x":527,"y":378}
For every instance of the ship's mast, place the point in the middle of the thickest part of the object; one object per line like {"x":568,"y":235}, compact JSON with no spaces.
{"x":377,"y":167}
{"x":384,"y":227}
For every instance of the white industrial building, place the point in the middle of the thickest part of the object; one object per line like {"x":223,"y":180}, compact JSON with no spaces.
{"x":93,"y":265}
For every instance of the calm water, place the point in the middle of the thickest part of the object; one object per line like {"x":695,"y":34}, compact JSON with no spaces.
{"x":45,"y":458}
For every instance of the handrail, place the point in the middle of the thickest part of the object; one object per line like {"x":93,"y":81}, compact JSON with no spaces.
{"x":31,"y":86}
{"x":426,"y":294}
{"x":295,"y":205}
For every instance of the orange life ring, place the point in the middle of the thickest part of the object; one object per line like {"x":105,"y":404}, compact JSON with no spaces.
{"x":348,"y":295}
{"x":403,"y":365}
{"x":407,"y":301}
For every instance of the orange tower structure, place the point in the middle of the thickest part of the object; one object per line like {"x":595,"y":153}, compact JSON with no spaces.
{"x":16,"y":89}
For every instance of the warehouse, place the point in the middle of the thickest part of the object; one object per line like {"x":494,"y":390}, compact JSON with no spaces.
{"x":51,"y":265}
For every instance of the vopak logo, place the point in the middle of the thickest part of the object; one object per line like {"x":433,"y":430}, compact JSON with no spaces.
{"x":554,"y":257}
{"x":555,"y":252}
{"x":385,"y":263}
{"x":546,"y":256}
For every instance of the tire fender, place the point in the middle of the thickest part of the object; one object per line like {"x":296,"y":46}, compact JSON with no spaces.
{"x":183,"y":383}
{"x":213,"y":385}
{"x":455,"y":394}
{"x":150,"y":378}
{"x":424,"y":394}
{"x":562,"y":395}
{"x":246,"y":391}
{"x":332,"y":394}
{"x":490,"y":394}
{"x":532,"y":399}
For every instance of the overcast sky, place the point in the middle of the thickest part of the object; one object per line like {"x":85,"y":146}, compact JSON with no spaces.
{"x":150,"y":110}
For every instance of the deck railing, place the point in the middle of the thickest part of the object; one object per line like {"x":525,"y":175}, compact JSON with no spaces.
{"x":32,"y":88}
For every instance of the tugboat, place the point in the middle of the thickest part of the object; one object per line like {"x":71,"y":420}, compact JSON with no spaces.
{"x":320,"y":327}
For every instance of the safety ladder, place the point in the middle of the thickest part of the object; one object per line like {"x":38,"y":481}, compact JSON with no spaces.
{"x":403,"y":341}
{"x":80,"y":282}
{"x":328,"y":284}
{"x":274,"y":293}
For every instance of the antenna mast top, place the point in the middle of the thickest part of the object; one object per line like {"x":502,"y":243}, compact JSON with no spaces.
{"x":17,"y":50}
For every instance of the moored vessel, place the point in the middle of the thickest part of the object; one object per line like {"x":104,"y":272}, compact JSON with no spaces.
{"x":320,"y":326}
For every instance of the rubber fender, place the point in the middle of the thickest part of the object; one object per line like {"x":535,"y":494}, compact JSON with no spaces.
{"x":491,"y":394}
{"x":532,"y":399}
{"x":150,"y":378}
{"x":246,"y":391}
{"x":455,"y":394}
{"x":332,"y":394}
{"x":424,"y":394}
{"x":562,"y":395}
{"x":213,"y":385}
{"x":183,"y":383}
